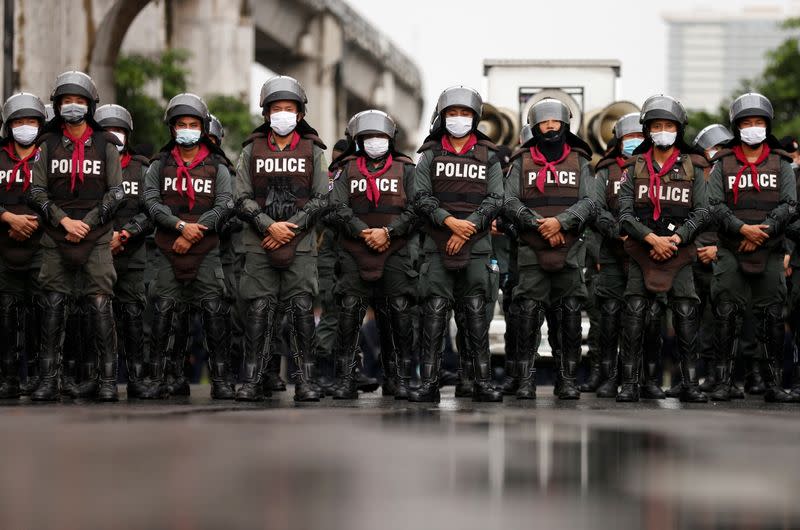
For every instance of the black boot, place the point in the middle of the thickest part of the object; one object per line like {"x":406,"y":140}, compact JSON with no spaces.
{"x":651,"y":354}
{"x":770,"y":334}
{"x":478,"y":340}
{"x":100,"y":311}
{"x":434,"y":326}
{"x":465,"y":381}
{"x":384,"y":322}
{"x":175,"y":380}
{"x":301,"y":309}
{"x":273,"y":381}
{"x":33,"y":327}
{"x":54,"y":315}
{"x":216,"y":314}
{"x":86,"y":352}
{"x":511,"y":377}
{"x":258,"y":328}
{"x":351,"y":316}
{"x":155,"y":386}
{"x":610,"y":313}
{"x":571,"y":347}
{"x":553,"y":317}
{"x":528,"y":322}
{"x":73,"y":354}
{"x":402,"y":332}
{"x":753,"y":381}
{"x":9,"y":346}
{"x":725,"y":338}
{"x":594,"y":378}
{"x":130,"y":336}
{"x":686,"y":321}
{"x":633,"y":326}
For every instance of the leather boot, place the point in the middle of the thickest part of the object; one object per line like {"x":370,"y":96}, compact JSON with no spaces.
{"x":687,"y":320}
{"x":795,"y":391}
{"x":9,"y":346}
{"x":87,"y":354}
{"x":33,"y":327}
{"x":553,"y":317}
{"x":478,"y":340}
{"x":466,"y":370}
{"x":753,"y":381}
{"x":384,"y":322}
{"x":633,"y":327}
{"x":610,"y":312}
{"x":434,"y":326}
{"x":651,"y":354}
{"x":155,"y":386}
{"x":511,"y":377}
{"x":571,"y":347}
{"x":301,"y":309}
{"x":175,"y":380}
{"x":726,"y":333}
{"x":72,"y":354}
{"x":216,"y":316}
{"x":100,"y":311}
{"x":54,"y":315}
{"x":351,"y":317}
{"x":528,"y":322}
{"x":402,"y":331}
{"x":273,"y":381}
{"x":770,"y":334}
{"x":130,"y":336}
{"x":258,"y":327}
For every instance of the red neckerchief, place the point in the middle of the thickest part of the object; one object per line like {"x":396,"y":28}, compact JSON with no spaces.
{"x":78,"y":145}
{"x":373,"y":193}
{"x":654,"y":189}
{"x":447,"y":146}
{"x":271,"y":139}
{"x":20,"y":163}
{"x":125,"y":159}
{"x":621,"y":162}
{"x":539,"y":158}
{"x":739,"y":153}
{"x":184,"y":177}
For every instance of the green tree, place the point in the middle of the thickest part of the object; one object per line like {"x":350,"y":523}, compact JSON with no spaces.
{"x":132,"y":75}
{"x":235,"y":117}
{"x":780,"y":82}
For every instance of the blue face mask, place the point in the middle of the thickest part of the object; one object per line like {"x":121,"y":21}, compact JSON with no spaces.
{"x":630,"y":145}
{"x":187,"y":137}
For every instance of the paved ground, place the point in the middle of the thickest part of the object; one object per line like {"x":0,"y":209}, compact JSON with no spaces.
{"x":376,"y":463}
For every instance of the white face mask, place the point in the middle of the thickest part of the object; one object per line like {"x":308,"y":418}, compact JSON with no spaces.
{"x":25,"y":134}
{"x":458,"y":126}
{"x":121,"y":137}
{"x":664,"y":138}
{"x":753,"y":135}
{"x":376,"y":147}
{"x":187,"y":137}
{"x":283,"y":122}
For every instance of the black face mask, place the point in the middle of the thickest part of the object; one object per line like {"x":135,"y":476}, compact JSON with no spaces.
{"x":551,"y":143}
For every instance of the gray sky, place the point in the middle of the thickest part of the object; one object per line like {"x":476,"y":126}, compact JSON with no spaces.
{"x":450,"y":39}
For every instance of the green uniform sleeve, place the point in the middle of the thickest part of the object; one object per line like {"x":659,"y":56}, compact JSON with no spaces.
{"x":629,"y":224}
{"x":493,"y":202}
{"x":161,"y":215}
{"x":317,"y":204}
{"x":38,"y":193}
{"x":425,"y":204}
{"x":404,"y":223}
{"x":114,"y":195}
{"x":604,"y":222}
{"x":728,"y":222}
{"x":781,"y":215}
{"x":342,"y":215}
{"x":140,"y":224}
{"x":523,"y":216}
{"x":223,"y":201}
{"x":699,"y":214}
{"x":246,"y":207}
{"x":582,"y":211}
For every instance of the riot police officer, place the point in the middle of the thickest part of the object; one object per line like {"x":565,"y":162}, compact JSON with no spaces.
{"x":613,"y":260}
{"x":547,"y":194}
{"x":371,"y":203}
{"x":458,"y":192}
{"x":753,"y":197}
{"x":21,"y":230}
{"x":281,"y":190}
{"x":188,"y":196}
{"x":663,"y":206}
{"x":77,"y":185}
{"x":131,"y":227}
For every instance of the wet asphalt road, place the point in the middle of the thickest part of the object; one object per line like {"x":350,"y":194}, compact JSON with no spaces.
{"x":376,"y":463}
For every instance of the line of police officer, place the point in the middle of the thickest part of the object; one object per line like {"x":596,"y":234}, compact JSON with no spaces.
{"x":79,"y":203}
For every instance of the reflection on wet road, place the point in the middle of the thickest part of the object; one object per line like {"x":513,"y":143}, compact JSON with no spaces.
{"x":377,"y":463}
